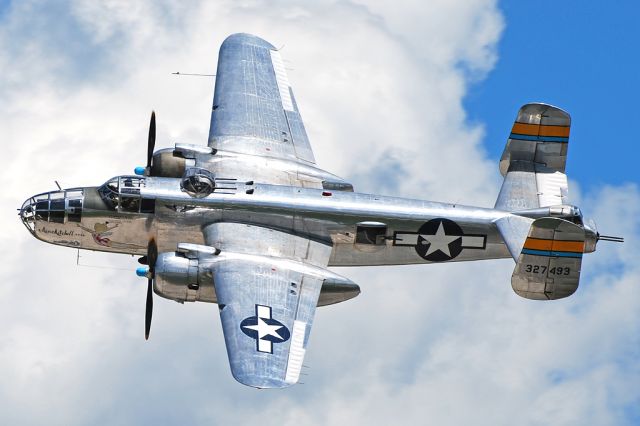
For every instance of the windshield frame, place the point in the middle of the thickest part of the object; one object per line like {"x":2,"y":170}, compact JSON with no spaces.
{"x":122,"y":193}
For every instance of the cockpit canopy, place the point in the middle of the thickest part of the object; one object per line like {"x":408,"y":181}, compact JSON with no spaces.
{"x":122,"y":193}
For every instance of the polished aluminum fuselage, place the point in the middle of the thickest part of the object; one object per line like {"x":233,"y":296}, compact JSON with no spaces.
{"x":330,"y":216}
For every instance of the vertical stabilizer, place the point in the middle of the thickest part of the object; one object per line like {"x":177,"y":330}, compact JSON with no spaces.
{"x":549,"y":263}
{"x":533,"y":162}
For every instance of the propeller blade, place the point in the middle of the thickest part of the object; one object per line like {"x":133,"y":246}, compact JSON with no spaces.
{"x":152,"y":139}
{"x":151,"y":258}
{"x":149,"y":310}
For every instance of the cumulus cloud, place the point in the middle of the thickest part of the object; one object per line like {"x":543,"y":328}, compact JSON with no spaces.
{"x":380,"y":88}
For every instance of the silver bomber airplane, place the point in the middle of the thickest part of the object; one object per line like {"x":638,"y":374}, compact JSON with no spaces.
{"x":251,"y":223}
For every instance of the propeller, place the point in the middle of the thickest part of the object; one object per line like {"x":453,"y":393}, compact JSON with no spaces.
{"x":152,"y":257}
{"x":152,"y":139}
{"x":151,"y":143}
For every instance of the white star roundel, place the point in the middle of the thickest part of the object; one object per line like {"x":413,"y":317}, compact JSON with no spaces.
{"x":439,"y":240}
{"x":264,"y":329}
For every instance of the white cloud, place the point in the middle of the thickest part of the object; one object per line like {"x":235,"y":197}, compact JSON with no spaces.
{"x":380,"y":88}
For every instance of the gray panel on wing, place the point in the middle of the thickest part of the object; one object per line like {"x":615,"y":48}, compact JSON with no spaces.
{"x":298,"y":133}
{"x":253,"y":107}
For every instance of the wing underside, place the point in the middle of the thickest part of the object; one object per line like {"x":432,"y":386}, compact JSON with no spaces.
{"x":266,"y":318}
{"x":267,"y":294}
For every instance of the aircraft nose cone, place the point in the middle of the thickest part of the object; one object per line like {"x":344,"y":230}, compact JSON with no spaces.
{"x":58,"y":208}
{"x":27,"y":214}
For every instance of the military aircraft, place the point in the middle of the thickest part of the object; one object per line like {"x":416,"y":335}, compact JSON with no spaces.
{"x":251,"y":223}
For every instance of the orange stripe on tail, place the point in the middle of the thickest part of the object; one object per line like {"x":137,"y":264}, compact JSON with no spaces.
{"x":554,"y":245}
{"x":540,"y":130}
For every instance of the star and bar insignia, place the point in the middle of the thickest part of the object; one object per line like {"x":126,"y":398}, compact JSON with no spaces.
{"x":264,"y":329}
{"x":439,"y":240}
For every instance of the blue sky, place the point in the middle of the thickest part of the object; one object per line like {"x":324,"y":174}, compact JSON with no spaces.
{"x":582,"y":57}
{"x":412,"y":101}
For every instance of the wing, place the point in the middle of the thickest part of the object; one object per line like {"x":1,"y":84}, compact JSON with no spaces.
{"x":256,"y":129}
{"x":267,"y":294}
{"x":254,"y":110}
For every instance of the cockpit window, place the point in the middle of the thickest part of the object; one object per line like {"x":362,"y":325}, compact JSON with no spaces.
{"x":109,"y":193}
{"x":575,"y":216}
{"x":55,"y":207}
{"x":123,"y":193}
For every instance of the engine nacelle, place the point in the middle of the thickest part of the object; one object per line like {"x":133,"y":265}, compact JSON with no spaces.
{"x":186,"y":275}
{"x":173,"y":162}
{"x":181,"y":277}
{"x":168,"y":163}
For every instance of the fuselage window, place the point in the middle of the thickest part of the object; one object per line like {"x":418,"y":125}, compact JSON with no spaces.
{"x":130,"y":204}
{"x":371,"y":234}
{"x":147,"y":206}
{"x":74,"y":210}
{"x":109,"y":194}
{"x":56,"y":216}
{"x":56,"y":210}
{"x":42,"y":209}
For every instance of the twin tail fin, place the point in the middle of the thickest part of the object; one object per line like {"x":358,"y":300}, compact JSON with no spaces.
{"x":533,"y":162}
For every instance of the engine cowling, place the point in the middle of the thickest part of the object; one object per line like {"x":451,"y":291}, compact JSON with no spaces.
{"x":183,"y":278}
{"x":168,"y":163}
{"x":174,"y":162}
{"x":186,"y":275}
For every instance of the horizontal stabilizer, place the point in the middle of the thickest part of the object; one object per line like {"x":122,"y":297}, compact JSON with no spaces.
{"x":549,"y":263}
{"x":514,"y":231}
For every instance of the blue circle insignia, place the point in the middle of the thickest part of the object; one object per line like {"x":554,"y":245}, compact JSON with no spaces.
{"x":264,"y":329}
